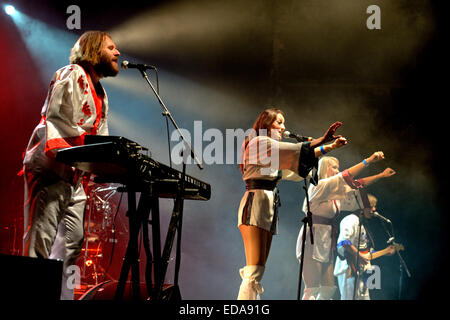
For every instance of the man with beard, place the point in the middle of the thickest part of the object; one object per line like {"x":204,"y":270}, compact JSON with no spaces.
{"x":55,"y":198}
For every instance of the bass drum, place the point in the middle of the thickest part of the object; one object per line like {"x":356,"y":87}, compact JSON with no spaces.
{"x":106,"y":291}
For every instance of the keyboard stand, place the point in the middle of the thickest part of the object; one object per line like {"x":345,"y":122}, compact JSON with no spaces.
{"x":138,"y":218}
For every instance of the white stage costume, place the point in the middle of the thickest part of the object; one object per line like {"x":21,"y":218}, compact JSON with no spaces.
{"x":54,"y":192}
{"x":326,"y":200}
{"x":270,"y":160}
{"x":349,"y":232}
{"x":266,"y":161}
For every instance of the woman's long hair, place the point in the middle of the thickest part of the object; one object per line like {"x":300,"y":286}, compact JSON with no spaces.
{"x":261,"y":126}
{"x":324,"y":163}
{"x":322,"y":173}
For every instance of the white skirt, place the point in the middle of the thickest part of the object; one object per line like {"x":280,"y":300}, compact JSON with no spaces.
{"x":257,"y":209}
{"x":322,"y":242}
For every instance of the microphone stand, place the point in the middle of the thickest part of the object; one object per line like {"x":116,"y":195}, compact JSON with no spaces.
{"x":360,"y":217}
{"x":402,"y":265}
{"x":307,"y":221}
{"x":167,"y":114}
{"x":167,"y":121}
{"x":139,"y":219}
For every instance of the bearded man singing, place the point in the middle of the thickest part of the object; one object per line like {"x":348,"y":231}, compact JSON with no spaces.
{"x":55,"y":194}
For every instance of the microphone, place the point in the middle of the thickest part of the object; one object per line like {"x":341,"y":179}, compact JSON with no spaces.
{"x":129,"y":65}
{"x":299,"y":138}
{"x":379,"y":216}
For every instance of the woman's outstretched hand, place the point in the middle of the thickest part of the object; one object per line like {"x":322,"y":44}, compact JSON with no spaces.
{"x":388,"y":172}
{"x":376,"y":156}
{"x":328,"y":136}
{"x":339,"y":142}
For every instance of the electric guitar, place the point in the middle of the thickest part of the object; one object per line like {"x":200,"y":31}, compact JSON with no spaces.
{"x":351,"y":259}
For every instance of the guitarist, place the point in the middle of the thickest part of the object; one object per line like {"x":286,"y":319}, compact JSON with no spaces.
{"x":345,"y":269}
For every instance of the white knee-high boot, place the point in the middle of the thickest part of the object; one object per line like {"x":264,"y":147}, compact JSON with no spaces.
{"x":326,"y":293}
{"x":251,"y":287}
{"x":310,"y":293}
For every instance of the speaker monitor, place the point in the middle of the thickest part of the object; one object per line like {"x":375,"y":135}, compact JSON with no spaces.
{"x":27,"y":278}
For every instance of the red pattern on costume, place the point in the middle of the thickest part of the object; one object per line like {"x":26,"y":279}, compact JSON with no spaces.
{"x":93,"y":131}
{"x":354,"y":184}
{"x":357,"y":184}
{"x":86,"y":109}
{"x":59,"y":143}
{"x":81,"y":82}
{"x":98,"y":108}
{"x":90,"y":115}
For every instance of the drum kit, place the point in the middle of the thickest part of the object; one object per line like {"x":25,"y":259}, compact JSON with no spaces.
{"x":100,"y":235}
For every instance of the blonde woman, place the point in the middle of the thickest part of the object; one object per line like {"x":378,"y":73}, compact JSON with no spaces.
{"x":336,"y":191}
{"x":265,"y":161}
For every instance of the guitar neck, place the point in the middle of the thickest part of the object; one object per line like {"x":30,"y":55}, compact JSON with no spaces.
{"x":380,"y":253}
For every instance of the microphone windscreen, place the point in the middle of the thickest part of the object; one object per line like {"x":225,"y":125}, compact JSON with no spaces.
{"x":124,"y":64}
{"x":286,"y":134}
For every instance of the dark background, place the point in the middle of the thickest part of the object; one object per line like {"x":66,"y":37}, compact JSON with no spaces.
{"x":223,"y":63}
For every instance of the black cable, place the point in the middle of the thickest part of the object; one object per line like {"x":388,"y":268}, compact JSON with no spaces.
{"x":114,"y":234}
